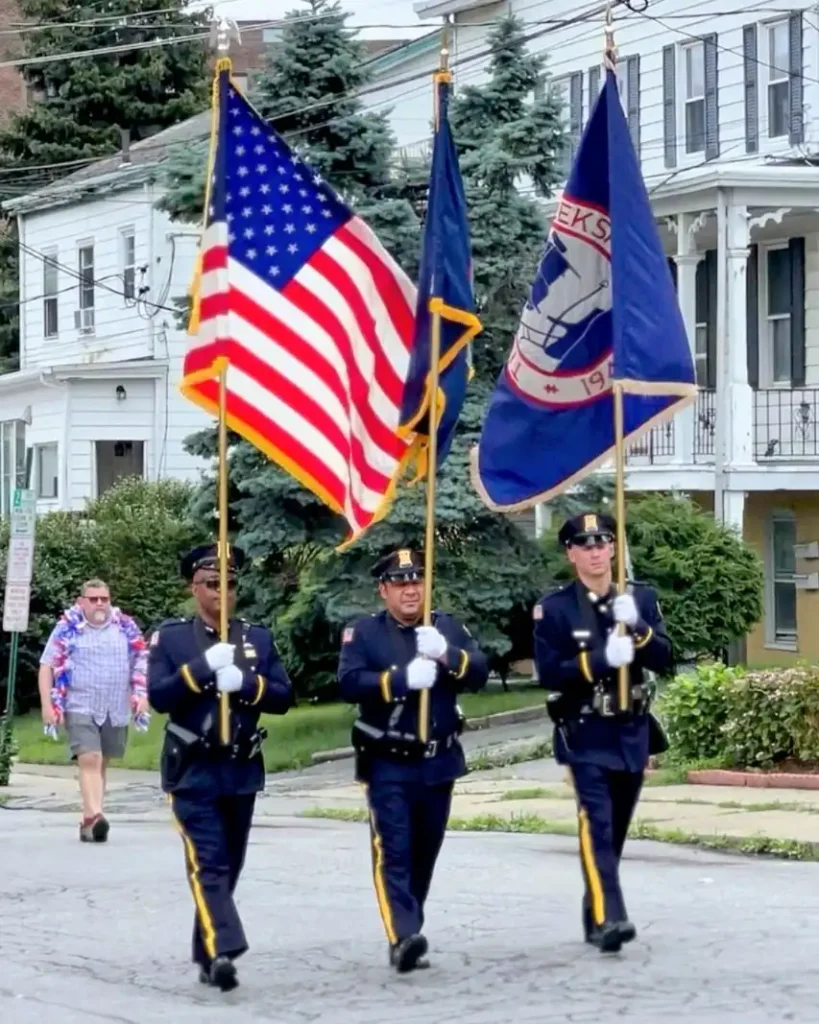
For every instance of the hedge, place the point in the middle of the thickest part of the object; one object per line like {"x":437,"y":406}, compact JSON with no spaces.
{"x":744,"y":718}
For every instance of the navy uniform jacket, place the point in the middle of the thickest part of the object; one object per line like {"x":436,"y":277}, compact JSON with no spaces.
{"x":571,"y":627}
{"x":181,"y":685}
{"x":375,"y":652}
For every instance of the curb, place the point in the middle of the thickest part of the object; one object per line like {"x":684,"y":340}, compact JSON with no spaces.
{"x":532,"y":714}
{"x":754,"y":780}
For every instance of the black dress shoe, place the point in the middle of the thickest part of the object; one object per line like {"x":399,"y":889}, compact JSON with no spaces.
{"x":408,"y":954}
{"x":627,"y":931}
{"x":223,"y":974}
{"x":607,"y":937}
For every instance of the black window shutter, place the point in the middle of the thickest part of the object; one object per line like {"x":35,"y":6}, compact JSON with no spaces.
{"x":797,"y":250}
{"x":711,"y":97}
{"x":710,"y":272}
{"x":752,"y":315}
{"x":575,"y":107}
{"x":633,"y":100}
{"x":669,"y":107}
{"x":594,"y":85}
{"x":751,"y":89}
{"x":796,"y":131}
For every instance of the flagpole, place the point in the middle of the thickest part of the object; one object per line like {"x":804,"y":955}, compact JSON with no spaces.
{"x":623,"y":675}
{"x":432,"y":454}
{"x":222,"y":39}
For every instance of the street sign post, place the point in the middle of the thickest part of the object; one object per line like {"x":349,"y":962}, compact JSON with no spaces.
{"x":16,"y":603}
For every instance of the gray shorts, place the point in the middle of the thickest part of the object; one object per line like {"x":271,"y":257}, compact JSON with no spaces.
{"x":86,"y":737}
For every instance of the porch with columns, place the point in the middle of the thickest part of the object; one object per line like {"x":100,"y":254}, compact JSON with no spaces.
{"x":741,"y":434}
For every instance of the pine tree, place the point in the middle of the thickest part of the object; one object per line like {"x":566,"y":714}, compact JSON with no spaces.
{"x":510,"y":151}
{"x":9,"y":298}
{"x":307,"y":90}
{"x":83,"y":103}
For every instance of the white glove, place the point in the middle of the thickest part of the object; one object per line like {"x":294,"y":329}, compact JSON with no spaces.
{"x":431,"y":643}
{"x":421,"y":673}
{"x":619,"y":650}
{"x":625,"y":609}
{"x":219,"y":655}
{"x":229,"y":679}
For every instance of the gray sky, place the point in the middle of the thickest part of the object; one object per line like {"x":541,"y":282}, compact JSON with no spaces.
{"x":362,"y":12}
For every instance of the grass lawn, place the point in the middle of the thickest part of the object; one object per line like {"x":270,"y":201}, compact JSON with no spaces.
{"x":291,"y":740}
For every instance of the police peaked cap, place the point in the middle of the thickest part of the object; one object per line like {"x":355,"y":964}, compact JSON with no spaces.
{"x":589,"y":524}
{"x":206,"y":556}
{"x":404,"y":564}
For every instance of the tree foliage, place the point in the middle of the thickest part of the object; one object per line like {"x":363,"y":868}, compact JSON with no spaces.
{"x":709,"y":581}
{"x":133,"y":537}
{"x":81,"y":105}
{"x":9,"y":298}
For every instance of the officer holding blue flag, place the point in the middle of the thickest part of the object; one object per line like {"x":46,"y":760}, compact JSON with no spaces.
{"x":578,"y":653}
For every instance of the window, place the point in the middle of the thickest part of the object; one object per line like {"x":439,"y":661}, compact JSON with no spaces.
{"x":782,"y":581}
{"x":564,"y":94}
{"x":272,"y":35}
{"x":84,"y":319}
{"x":777,"y":316}
{"x":694,"y":98}
{"x":12,"y":461}
{"x":128,"y":263}
{"x":50,"y":286}
{"x":778,"y":79}
{"x":47,"y":470}
{"x":701,"y":354}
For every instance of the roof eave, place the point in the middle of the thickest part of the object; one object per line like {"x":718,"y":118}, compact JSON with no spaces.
{"x":125,"y":177}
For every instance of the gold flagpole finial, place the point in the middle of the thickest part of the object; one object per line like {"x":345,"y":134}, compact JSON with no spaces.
{"x":222,"y":30}
{"x":610,"y":50}
{"x":445,"y":44}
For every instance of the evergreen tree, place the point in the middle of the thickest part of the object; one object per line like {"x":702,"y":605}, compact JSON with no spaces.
{"x":308,"y":91}
{"x":9,"y":298}
{"x":510,"y":150}
{"x":83,"y":103}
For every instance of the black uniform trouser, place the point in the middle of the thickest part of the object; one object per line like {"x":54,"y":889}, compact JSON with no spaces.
{"x":605,"y":803}
{"x":214,"y":833}
{"x":407,"y":825}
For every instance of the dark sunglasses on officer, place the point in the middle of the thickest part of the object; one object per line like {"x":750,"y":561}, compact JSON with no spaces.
{"x":593,"y":540}
{"x":212,"y":583}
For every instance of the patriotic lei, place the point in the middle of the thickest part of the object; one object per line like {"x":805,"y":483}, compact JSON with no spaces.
{"x":69,"y":628}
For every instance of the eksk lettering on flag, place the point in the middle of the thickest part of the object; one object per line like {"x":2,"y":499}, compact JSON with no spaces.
{"x":444,"y":287}
{"x":313,"y":316}
{"x":602,"y":308}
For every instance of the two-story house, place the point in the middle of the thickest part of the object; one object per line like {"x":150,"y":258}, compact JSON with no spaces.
{"x":723,"y":108}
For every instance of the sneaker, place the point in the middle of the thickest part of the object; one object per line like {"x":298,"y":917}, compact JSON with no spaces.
{"x":94,"y":830}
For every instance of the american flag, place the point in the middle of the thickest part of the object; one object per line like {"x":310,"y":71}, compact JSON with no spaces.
{"x":312,"y":314}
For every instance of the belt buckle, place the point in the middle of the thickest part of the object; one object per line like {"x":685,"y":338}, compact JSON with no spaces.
{"x":606,"y":705}
{"x":431,"y":748}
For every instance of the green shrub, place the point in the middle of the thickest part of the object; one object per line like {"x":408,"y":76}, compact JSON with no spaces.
{"x":132,"y":537}
{"x":695,"y":709}
{"x":747,"y":719}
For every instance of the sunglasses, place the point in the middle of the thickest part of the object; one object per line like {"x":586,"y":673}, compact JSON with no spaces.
{"x":598,"y":540}
{"x":213,"y":584}
{"x":97,"y":600}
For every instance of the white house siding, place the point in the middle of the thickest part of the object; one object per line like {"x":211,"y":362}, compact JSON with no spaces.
{"x":578,"y":48}
{"x":95,"y":414}
{"x":48,"y":410}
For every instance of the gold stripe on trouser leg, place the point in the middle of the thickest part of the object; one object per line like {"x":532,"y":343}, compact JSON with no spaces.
{"x":379,"y":880}
{"x":590,"y":865}
{"x":205,"y":920}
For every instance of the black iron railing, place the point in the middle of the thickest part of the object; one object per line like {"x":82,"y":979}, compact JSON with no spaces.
{"x":705,"y":423}
{"x":656,"y":445}
{"x":786,"y":424}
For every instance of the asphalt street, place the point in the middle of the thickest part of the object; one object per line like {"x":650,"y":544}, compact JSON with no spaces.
{"x":101,"y":933}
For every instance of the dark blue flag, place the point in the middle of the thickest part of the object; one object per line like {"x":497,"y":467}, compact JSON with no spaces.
{"x":601,"y":308}
{"x":445,"y":287}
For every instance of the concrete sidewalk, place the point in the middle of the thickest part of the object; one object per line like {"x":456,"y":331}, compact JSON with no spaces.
{"x":530,"y":789}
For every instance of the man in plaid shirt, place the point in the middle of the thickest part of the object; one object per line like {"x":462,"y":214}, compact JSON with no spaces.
{"x":92,"y":678}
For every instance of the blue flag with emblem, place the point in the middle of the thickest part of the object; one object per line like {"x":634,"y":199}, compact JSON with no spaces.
{"x":444,"y":288}
{"x":601,"y":309}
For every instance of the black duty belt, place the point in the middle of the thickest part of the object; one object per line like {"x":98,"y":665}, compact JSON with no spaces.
{"x":243,"y":748}
{"x":402,"y":746}
{"x":604,"y":704}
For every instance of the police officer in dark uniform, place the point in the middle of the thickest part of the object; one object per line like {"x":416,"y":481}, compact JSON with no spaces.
{"x":213,"y":785}
{"x":578,"y":653}
{"x":387,"y":660}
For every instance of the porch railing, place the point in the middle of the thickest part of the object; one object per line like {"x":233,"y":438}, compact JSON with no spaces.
{"x":786,"y":424}
{"x":655,"y":446}
{"x":705,"y":423}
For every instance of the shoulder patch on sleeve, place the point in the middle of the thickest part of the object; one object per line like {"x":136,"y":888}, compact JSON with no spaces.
{"x":347,"y":635}
{"x":154,"y":638}
{"x":537,"y":611}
